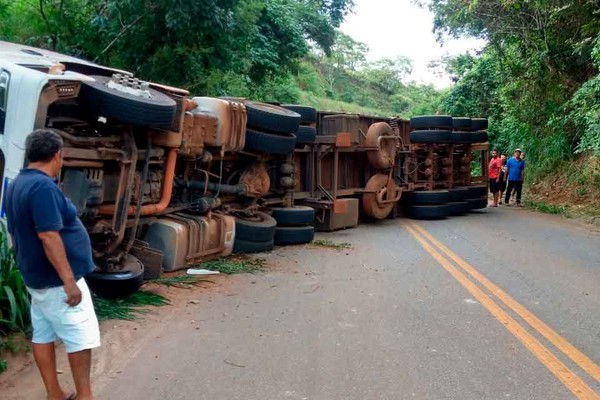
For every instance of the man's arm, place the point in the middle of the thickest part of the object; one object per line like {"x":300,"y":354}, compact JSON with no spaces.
{"x":55,"y":251}
{"x":46,"y":203}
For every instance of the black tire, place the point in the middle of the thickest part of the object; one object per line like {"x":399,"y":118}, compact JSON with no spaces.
{"x":294,"y":235}
{"x":458,"y":207}
{"x":477,"y":204}
{"x":428,"y":197}
{"x":258,"y":228}
{"x":155,"y":112}
{"x":270,"y":143}
{"x":306,"y":134}
{"x":429,"y":212}
{"x":308,"y":115}
{"x":271,"y":118}
{"x":431,"y":122}
{"x":461,"y":123}
{"x":431,"y":136}
{"x":297,"y":215}
{"x":247,"y":247}
{"x":479,"y":137}
{"x":117,"y":285}
{"x":477,"y":191}
{"x":479,"y":124}
{"x":459,"y":194}
{"x":462,"y":137}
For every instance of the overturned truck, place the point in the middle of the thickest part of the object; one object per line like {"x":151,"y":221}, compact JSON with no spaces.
{"x":163,"y":180}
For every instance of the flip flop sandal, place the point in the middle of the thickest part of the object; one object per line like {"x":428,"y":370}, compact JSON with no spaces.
{"x":72,"y":396}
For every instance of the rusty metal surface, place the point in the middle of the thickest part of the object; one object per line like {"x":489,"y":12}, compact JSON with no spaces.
{"x":380,"y":196}
{"x":380,"y":136}
{"x":256,"y":179}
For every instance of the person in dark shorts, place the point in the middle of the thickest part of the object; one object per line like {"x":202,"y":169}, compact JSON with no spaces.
{"x":515,"y":171}
{"x":54,"y":253}
{"x":502,"y":178}
{"x":493,"y":174}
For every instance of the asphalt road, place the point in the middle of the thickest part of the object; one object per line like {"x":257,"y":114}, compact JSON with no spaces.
{"x":501,"y":304}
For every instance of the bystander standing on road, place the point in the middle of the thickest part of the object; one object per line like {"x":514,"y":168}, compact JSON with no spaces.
{"x":502,"y":178}
{"x":494,"y":168}
{"x":54,"y":253}
{"x":515,"y":169}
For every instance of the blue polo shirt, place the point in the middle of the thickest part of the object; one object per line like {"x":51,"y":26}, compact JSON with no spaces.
{"x":35,"y":204}
{"x":515,"y":167}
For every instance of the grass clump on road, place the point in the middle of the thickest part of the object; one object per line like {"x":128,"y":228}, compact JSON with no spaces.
{"x":236,"y":265}
{"x":130,"y":308}
{"x":330,"y":244}
{"x":182,"y":281}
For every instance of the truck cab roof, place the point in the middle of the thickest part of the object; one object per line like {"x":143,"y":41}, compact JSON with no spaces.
{"x":42,"y":60}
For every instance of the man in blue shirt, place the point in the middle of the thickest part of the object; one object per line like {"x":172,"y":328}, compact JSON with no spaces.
{"x":54,"y":253}
{"x":515,"y":169}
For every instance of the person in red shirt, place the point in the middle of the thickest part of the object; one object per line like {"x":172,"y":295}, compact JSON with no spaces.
{"x":494,"y":175}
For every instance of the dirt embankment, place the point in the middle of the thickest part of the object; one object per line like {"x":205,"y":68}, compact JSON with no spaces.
{"x":573,"y":191}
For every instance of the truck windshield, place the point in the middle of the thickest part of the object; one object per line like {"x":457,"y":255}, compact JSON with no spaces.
{"x":4,"y":79}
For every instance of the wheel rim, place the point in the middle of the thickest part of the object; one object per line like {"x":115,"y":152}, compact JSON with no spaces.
{"x":377,"y":186}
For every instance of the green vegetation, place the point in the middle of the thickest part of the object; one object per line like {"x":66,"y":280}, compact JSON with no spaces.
{"x":536,"y":79}
{"x":14,"y":298}
{"x":236,"y":265}
{"x":129,"y":308}
{"x":546,"y":208}
{"x":330,"y":244}
{"x":182,"y":281}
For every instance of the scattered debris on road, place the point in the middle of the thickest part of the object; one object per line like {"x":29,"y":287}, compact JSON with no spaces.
{"x":330,"y":244}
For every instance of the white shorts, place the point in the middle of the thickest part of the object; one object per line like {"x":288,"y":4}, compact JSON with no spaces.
{"x":54,"y":319}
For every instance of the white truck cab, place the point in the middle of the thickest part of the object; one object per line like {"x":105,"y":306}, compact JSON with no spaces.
{"x":24,"y":73}
{"x":123,"y":150}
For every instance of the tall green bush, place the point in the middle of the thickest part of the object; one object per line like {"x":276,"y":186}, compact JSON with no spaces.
{"x":14,"y":298}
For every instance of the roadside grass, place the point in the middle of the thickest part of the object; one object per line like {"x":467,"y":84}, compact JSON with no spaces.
{"x":130,"y":308}
{"x":547,"y":208}
{"x":330,"y":244}
{"x":181,"y":281}
{"x":236,"y":265}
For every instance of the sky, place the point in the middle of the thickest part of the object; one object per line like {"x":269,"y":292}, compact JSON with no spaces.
{"x":394,"y":28}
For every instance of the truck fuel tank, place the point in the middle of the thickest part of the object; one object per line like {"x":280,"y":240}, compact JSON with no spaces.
{"x":187,"y":239}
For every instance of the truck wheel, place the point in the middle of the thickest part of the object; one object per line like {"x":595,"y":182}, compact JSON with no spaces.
{"x":294,"y":235}
{"x":271,"y":118}
{"x":157,"y":111}
{"x":247,"y":247}
{"x":461,"y":123}
{"x":308,"y":115}
{"x":117,"y":285}
{"x":458,"y":207}
{"x":297,"y":215}
{"x":306,"y":134}
{"x":462,"y":137}
{"x":477,"y":204}
{"x":477,"y":192}
{"x":431,"y":122}
{"x":270,"y":143}
{"x":479,"y":124}
{"x":428,"y":197}
{"x":479,"y":137}
{"x":259,"y":227}
{"x":371,"y":207}
{"x":429,"y":212}
{"x":459,"y":193}
{"x":384,"y":156}
{"x":431,"y":136}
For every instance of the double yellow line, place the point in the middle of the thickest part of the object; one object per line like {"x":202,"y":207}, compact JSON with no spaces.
{"x":444,"y":256}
